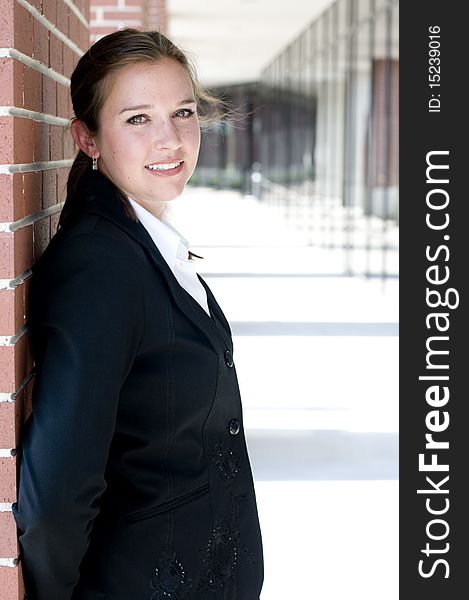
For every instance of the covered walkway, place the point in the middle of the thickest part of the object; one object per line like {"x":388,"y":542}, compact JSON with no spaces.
{"x":317,"y":359}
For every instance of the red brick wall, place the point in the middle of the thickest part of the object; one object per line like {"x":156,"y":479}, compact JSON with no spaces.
{"x":40,"y":42}
{"x":109,"y":15}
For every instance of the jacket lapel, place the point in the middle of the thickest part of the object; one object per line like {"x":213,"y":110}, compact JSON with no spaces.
{"x":102,"y":200}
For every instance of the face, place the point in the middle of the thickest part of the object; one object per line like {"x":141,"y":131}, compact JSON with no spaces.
{"x":149,"y":134}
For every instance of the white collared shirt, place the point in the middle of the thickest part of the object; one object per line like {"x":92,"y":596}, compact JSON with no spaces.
{"x":175,"y":250}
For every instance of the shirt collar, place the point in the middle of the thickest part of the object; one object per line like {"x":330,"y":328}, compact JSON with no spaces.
{"x":167,"y":239}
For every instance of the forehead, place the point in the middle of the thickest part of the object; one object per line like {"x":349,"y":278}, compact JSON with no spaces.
{"x":165,"y":80}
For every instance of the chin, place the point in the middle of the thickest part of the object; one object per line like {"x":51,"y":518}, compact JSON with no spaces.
{"x":172,"y":194}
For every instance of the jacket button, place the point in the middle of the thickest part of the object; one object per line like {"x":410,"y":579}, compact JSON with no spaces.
{"x":228,"y":359}
{"x":235,"y":426}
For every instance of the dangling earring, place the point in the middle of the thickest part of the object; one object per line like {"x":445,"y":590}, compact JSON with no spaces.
{"x":95,"y":163}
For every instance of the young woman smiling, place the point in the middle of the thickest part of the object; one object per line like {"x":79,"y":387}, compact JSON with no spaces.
{"x":135,"y":481}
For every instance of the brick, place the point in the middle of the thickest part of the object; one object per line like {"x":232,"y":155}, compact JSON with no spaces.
{"x":6,"y":77}
{"x":83,"y":6}
{"x":7,"y":369}
{"x":99,"y":32}
{"x":49,"y":188}
{"x":32,"y":193}
{"x":6,"y":140}
{"x":12,"y":313}
{"x":41,"y":236}
{"x":62,"y":177}
{"x":15,"y":364}
{"x":7,"y":313}
{"x":24,"y":28}
{"x":11,"y":76}
{"x":32,"y":88}
{"x":7,"y":198}
{"x":63,"y":12}
{"x":70,"y":61}
{"x":49,"y":95}
{"x":54,"y":221}
{"x":16,"y":184}
{"x":74,"y":27}
{"x":41,"y":43}
{"x":63,"y":94}
{"x":106,"y":3}
{"x":49,"y":9}
{"x":37,"y":4}
{"x":23,"y":249}
{"x":83,"y":40}
{"x":116,"y":15}
{"x":8,"y":536}
{"x":41,"y":145}
{"x":20,"y":580}
{"x":15,"y":252}
{"x":55,"y":54}
{"x":56,"y":142}
{"x":8,"y":479}
{"x":18,"y":74}
{"x":24,"y":140}
{"x":7,"y":24}
{"x":7,"y":429}
{"x":70,"y":150}
{"x":7,"y":256}
{"x":11,"y":583}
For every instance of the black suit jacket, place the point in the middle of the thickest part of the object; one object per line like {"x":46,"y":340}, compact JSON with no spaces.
{"x":135,"y":482}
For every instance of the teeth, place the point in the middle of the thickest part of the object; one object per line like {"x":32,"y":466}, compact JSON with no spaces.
{"x":164,"y":166}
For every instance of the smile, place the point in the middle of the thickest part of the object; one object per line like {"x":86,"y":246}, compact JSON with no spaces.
{"x":164,"y":166}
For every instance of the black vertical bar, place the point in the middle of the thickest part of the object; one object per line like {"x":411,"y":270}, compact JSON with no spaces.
{"x":434,"y":521}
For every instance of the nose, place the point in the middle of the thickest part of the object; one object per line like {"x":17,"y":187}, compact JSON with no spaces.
{"x":167,"y":136}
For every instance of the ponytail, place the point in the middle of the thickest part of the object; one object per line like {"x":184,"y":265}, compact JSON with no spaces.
{"x":81,"y":165}
{"x":76,"y":190}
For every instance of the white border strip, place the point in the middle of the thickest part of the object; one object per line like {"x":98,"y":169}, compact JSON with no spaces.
{"x":50,"y":26}
{"x":11,"y":284}
{"x":30,"y":219}
{"x":36,"y":166}
{"x":76,"y":11}
{"x":5,"y":506}
{"x":34,"y":64}
{"x":13,"y":111}
{"x":12,"y":340}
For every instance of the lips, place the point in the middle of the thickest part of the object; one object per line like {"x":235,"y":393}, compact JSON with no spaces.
{"x":164,"y":166}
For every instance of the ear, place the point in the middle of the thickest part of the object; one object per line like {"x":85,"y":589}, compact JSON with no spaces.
{"x":83,"y":138}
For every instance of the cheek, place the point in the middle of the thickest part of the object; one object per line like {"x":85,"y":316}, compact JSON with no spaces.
{"x":194,"y":136}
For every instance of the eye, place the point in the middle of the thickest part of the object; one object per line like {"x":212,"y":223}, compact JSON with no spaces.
{"x":184,"y":113}
{"x":137,"y":120}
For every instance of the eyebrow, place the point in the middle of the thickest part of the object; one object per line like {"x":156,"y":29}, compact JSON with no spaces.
{"x":147,"y":106}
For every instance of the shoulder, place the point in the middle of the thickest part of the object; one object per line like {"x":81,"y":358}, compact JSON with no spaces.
{"x":90,"y":240}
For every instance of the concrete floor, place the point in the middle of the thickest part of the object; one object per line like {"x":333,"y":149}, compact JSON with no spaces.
{"x":317,"y":359}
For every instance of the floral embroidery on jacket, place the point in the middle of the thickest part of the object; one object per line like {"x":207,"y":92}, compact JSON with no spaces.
{"x":220,"y":557}
{"x":227,"y":461}
{"x":169,"y":581}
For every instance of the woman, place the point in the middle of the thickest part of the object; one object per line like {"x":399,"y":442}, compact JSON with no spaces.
{"x":135,"y":481}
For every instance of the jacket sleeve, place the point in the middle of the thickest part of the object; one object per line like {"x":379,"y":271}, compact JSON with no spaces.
{"x":86,"y":322}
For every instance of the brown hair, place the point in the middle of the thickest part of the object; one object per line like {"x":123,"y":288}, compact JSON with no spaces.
{"x":89,"y":84}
